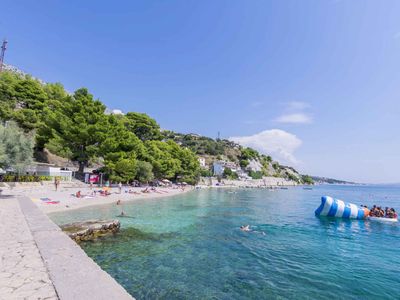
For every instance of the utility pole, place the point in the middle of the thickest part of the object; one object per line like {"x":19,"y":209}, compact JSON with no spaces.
{"x":3,"y":50}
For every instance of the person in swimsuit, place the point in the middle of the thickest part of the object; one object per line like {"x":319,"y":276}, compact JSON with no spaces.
{"x":245,"y":228}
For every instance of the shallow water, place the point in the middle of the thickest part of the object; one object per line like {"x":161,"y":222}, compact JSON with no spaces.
{"x":190,"y":246}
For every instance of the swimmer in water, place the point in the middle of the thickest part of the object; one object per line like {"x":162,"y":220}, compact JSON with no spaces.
{"x":245,"y":228}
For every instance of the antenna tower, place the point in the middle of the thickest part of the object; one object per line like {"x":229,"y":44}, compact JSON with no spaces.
{"x":3,"y":50}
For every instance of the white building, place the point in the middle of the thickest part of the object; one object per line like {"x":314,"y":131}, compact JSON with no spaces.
{"x":219,"y":167}
{"x":202,"y":162}
{"x":49,"y":170}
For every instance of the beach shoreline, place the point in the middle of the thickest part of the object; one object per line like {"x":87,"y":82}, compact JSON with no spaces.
{"x":67,"y":201}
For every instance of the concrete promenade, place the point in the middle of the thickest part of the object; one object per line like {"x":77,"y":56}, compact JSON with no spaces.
{"x":39,"y":261}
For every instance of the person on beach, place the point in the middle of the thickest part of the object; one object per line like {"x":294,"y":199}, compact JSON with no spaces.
{"x":56,"y":183}
{"x":120,"y":187}
{"x":118,"y":202}
{"x":78,"y":194}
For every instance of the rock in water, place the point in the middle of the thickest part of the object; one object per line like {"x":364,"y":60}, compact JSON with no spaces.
{"x":90,"y":230}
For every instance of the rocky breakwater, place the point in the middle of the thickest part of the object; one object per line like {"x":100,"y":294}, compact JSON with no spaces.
{"x":91,"y":230}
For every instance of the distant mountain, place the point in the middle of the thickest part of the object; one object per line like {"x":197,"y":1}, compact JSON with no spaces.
{"x":326,"y":180}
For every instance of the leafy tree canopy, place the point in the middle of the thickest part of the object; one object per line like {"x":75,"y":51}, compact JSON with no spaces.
{"x":16,"y":148}
{"x":144,"y":171}
{"x":144,"y":127}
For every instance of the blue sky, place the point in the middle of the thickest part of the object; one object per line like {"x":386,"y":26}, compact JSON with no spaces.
{"x":314,"y":83}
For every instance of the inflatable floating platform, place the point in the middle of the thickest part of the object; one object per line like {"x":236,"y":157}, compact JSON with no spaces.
{"x":337,"y":208}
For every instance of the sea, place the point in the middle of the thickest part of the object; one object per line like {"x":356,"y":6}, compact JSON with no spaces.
{"x":190,"y":246}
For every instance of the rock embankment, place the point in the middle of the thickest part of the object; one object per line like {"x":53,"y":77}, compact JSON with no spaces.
{"x":90,"y":230}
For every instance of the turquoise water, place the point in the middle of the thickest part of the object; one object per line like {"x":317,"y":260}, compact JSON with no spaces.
{"x":190,"y":246}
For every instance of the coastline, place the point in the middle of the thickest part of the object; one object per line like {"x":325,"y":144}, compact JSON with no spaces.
{"x":69,"y":202}
{"x":65,"y":196}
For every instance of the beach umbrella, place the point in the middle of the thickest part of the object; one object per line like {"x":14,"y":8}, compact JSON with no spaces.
{"x":184,"y":183}
{"x":166,"y":181}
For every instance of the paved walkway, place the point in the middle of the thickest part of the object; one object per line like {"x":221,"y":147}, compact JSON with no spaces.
{"x":23,"y":274}
{"x":39,"y":261}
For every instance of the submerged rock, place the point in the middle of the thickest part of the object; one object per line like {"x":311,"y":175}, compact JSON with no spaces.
{"x":90,"y":230}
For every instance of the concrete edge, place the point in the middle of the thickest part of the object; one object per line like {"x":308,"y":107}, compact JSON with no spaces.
{"x":74,"y":275}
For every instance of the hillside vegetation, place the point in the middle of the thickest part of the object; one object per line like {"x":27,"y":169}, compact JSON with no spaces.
{"x":255,"y":164}
{"x":78,"y":128}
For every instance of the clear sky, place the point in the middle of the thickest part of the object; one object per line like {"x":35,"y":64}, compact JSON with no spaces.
{"x":314,"y":83}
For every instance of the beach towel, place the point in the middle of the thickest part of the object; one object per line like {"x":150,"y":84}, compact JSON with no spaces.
{"x":52,"y":202}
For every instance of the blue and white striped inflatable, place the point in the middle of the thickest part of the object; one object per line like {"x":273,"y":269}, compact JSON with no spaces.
{"x":337,"y":208}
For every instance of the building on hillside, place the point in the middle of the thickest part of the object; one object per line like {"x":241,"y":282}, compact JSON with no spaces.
{"x":202,"y":162}
{"x":232,"y":165}
{"x":243,"y":175}
{"x":219,"y":167}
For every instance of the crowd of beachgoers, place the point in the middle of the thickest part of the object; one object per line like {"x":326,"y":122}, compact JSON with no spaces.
{"x":379,"y":212}
{"x":60,"y":196}
{"x":57,"y":197}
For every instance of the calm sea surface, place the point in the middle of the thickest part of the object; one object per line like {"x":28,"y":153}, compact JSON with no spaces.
{"x":190,"y":246}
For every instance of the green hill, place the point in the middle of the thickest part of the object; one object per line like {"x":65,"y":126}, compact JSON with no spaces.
{"x":77,"y":127}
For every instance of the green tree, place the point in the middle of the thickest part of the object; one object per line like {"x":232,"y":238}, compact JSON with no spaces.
{"x":244,"y":163}
{"x":16,"y":150}
{"x":144,"y":127}
{"x":144,"y":171}
{"x":81,"y":125}
{"x":124,"y":170}
{"x":163,"y":162}
{"x":30,"y":100}
{"x":292,"y":177}
{"x":205,"y":173}
{"x":249,"y":153}
{"x":256,"y":174}
{"x":8,"y":101}
{"x":227,"y":173}
{"x":307,"y":179}
{"x":190,"y":166}
{"x":119,"y":142}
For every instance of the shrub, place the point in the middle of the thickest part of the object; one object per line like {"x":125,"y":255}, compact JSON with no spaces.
{"x":256,"y":175}
{"x":244,"y":163}
{"x":205,"y":173}
{"x":25,"y":178}
{"x":307,"y":179}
